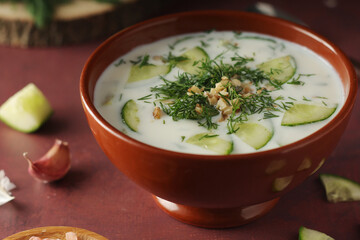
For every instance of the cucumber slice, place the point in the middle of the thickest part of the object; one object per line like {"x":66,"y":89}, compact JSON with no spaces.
{"x":26,"y":110}
{"x":193,"y":55}
{"x":254,"y":134}
{"x":310,"y":234}
{"x":211,"y":142}
{"x":340,"y":189}
{"x":138,"y":73}
{"x":279,"y":69}
{"x":129,"y":115}
{"x":300,"y":114}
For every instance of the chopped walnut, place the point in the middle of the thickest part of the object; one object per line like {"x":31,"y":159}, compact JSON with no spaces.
{"x":198,"y":108}
{"x":194,"y":89}
{"x":227,"y":110}
{"x":212,"y":99}
{"x":269,"y":87}
{"x":222,"y":84}
{"x":246,"y":88}
{"x":224,"y":93}
{"x":236,"y":82}
{"x":222,"y":104}
{"x":157,"y":113}
{"x":259,"y":90}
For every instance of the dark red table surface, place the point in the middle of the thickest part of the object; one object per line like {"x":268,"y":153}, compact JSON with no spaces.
{"x":96,"y":196}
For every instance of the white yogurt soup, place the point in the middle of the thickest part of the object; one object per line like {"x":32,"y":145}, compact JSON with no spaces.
{"x":219,"y":92}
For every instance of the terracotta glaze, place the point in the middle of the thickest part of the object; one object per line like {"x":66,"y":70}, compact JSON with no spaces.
{"x":216,"y":191}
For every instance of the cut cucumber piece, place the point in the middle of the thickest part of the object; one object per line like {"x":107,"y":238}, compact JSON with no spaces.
{"x":300,"y":114}
{"x":310,"y":234}
{"x":340,"y":189}
{"x":211,"y":142}
{"x":129,"y":115}
{"x":138,"y":73}
{"x":193,"y":55}
{"x":279,"y":69}
{"x":26,"y":110}
{"x":254,"y":134}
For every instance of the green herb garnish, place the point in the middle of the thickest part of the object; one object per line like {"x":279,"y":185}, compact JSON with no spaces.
{"x":204,"y":44}
{"x":208,"y":136}
{"x":296,"y":81}
{"x":174,"y":60}
{"x":186,"y":104}
{"x":147,"y":97}
{"x":142,"y":61}
{"x":306,"y":99}
{"x":121,"y":61}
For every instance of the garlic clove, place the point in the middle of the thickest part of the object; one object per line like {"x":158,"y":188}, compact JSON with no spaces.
{"x":53,"y":165}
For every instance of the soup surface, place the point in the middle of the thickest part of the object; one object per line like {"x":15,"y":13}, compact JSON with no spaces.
{"x":219,"y":93}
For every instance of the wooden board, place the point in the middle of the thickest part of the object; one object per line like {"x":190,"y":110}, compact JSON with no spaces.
{"x":76,"y":22}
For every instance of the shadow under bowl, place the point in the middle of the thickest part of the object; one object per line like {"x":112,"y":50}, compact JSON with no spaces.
{"x":215,"y":191}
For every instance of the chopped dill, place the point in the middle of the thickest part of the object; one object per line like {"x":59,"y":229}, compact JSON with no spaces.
{"x":306,"y":99}
{"x":182,"y":138}
{"x":174,"y":60}
{"x":241,"y":60}
{"x":268,"y":115}
{"x":147,"y":97}
{"x":220,"y":55}
{"x":185,"y":104}
{"x":121,"y":61}
{"x":324,"y":103}
{"x":204,"y":44}
{"x":208,"y":136}
{"x":275,"y":71}
{"x":141,"y":61}
{"x":291,"y":98}
{"x":120,"y":97}
{"x":296,"y":81}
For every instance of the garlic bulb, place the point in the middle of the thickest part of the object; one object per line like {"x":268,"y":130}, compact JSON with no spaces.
{"x":53,"y":165}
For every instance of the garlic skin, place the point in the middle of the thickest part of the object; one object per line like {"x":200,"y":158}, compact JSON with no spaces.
{"x":5,"y":187}
{"x":53,"y":165}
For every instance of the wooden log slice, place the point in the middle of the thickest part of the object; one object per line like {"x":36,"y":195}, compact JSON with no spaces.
{"x":73,"y":23}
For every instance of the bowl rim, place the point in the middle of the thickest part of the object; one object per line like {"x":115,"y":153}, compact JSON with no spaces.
{"x":333,"y":123}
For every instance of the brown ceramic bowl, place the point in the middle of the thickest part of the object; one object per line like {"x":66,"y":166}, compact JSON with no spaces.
{"x":215,"y":191}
